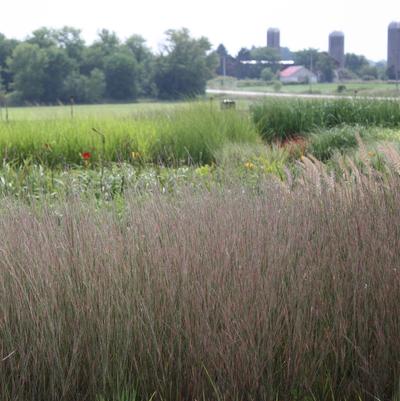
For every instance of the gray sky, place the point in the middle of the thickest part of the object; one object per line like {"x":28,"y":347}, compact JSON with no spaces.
{"x":303,"y":24}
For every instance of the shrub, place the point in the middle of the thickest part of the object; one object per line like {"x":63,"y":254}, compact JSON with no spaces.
{"x":267,"y":74}
{"x":341,"y":88}
{"x":277,"y":86}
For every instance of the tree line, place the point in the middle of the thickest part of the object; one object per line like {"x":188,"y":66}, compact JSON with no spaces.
{"x":56,"y":65}
{"x":321,"y":63}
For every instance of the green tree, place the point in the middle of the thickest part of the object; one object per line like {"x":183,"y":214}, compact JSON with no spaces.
{"x":318,"y":62}
{"x":368,"y":72}
{"x":43,"y":37}
{"x":92,"y":57}
{"x":136,"y":44}
{"x":58,"y":66}
{"x":355,"y":63}
{"x":121,"y":76}
{"x":325,"y":66}
{"x":265,"y":53}
{"x":222,"y":59}
{"x":244,"y":54}
{"x":96,"y":86}
{"x":185,"y":65}
{"x":307,"y":58}
{"x":108,"y":42}
{"x":69,"y":38}
{"x":85,"y":89}
{"x":7,"y":47}
{"x":28,"y":65}
{"x":95,"y":55}
{"x":75,"y":85}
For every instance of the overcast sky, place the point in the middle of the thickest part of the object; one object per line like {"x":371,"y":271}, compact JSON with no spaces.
{"x":241,"y":23}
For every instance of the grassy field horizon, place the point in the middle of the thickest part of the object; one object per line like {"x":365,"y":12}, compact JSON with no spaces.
{"x":351,"y":88}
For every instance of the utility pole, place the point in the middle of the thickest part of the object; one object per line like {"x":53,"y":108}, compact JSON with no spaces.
{"x":311,"y":69}
{"x":223,"y":69}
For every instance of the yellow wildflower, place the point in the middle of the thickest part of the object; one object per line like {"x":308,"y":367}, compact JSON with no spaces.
{"x":249,"y":165}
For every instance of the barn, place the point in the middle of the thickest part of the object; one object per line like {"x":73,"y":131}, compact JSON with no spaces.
{"x":297,"y":74}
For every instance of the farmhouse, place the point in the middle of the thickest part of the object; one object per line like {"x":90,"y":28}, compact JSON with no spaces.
{"x":297,"y":74}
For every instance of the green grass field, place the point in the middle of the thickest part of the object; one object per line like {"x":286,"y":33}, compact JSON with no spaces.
{"x":86,"y":111}
{"x":361,"y":88}
{"x":160,"y":133}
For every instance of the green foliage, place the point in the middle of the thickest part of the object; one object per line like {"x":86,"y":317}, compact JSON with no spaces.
{"x":277,"y":86}
{"x":306,"y":57}
{"x":92,"y":57}
{"x":121,"y":76}
{"x":58,"y":66}
{"x":316,"y":61}
{"x":325,"y":143}
{"x":96,"y":86}
{"x":325,"y":65}
{"x":267,"y":74}
{"x":69,"y":38}
{"x":53,"y":63}
{"x":185,"y":65}
{"x":85,"y":89}
{"x":368,"y":72}
{"x":355,"y":63}
{"x":39,"y":72}
{"x":7,"y":47}
{"x":278,"y":119}
{"x":108,"y":42}
{"x":43,"y":38}
{"x":346,"y":74}
{"x":145,"y":65}
{"x":265,"y":53}
{"x":28,"y":65}
{"x":190,"y":134}
{"x":341,"y":88}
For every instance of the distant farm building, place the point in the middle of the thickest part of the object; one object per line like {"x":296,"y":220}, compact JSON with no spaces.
{"x":273,"y":38}
{"x":393,"y":60}
{"x":296,"y":75}
{"x":336,"y":47}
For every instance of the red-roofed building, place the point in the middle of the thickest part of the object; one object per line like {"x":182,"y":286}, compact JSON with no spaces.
{"x":297,"y":74}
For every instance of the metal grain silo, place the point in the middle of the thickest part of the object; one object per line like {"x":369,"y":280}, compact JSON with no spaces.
{"x":273,"y":38}
{"x":393,"y":60}
{"x":336,"y":47}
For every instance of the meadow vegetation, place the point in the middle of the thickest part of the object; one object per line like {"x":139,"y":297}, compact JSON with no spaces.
{"x":282,"y":118}
{"x":201,"y":254}
{"x":186,"y":134}
{"x":343,"y":88}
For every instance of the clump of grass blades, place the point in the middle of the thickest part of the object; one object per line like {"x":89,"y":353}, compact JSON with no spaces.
{"x":206,"y":295}
{"x":279,"y":119}
{"x":188,"y":134}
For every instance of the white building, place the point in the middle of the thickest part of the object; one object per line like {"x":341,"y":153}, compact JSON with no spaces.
{"x":296,"y":75}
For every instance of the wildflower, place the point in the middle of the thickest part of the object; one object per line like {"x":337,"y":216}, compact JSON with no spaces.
{"x":204,"y":170}
{"x":371,"y":154}
{"x":135,"y":155}
{"x":249,"y":165}
{"x":86,"y":155}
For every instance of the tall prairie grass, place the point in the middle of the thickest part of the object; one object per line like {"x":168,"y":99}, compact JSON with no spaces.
{"x":189,"y":134}
{"x":278,"y":119}
{"x":290,"y":292}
